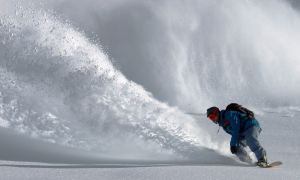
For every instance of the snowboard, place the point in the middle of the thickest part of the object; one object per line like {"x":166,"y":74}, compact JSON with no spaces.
{"x":273,"y":164}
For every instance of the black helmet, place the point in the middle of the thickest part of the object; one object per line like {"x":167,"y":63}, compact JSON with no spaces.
{"x":212,"y":110}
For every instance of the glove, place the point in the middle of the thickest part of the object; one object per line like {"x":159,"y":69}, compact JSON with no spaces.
{"x":233,"y":149}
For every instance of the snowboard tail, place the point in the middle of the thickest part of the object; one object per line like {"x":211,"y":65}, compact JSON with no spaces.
{"x":273,"y":164}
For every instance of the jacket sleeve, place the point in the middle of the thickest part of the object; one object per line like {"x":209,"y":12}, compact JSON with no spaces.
{"x":235,"y":124}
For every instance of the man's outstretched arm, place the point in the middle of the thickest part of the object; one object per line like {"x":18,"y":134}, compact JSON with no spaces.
{"x":235,"y":124}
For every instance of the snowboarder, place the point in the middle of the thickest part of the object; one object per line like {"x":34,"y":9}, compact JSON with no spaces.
{"x":244,"y":129}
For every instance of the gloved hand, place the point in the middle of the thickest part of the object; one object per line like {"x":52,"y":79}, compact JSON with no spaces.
{"x":233,"y":149}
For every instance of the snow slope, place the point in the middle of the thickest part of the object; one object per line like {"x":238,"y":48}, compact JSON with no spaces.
{"x":280,"y":137}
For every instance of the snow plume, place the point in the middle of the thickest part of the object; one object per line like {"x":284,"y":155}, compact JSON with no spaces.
{"x":119,"y":87}
{"x":200,"y":53}
{"x":59,"y":86}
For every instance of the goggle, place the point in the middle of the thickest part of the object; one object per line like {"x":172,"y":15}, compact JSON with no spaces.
{"x":213,"y":117}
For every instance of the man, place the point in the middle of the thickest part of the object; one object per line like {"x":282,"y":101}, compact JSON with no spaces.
{"x":244,"y":131}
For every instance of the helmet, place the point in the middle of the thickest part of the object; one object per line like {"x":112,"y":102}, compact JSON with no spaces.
{"x":213,"y":113}
{"x":212,"y":110}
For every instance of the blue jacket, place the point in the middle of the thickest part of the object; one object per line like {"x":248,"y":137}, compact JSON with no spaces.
{"x":236,"y":123}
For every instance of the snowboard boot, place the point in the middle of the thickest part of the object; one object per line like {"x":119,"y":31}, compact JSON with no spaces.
{"x":262,"y":162}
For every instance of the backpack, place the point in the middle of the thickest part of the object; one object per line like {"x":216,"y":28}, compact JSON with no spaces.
{"x":241,"y":109}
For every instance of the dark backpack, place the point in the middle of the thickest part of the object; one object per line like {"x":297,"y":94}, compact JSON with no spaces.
{"x":241,"y":109}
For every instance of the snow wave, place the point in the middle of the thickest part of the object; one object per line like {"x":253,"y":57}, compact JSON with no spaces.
{"x":59,"y":86}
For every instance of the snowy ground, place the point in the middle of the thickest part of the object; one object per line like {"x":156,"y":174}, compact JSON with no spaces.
{"x":280,"y":137}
